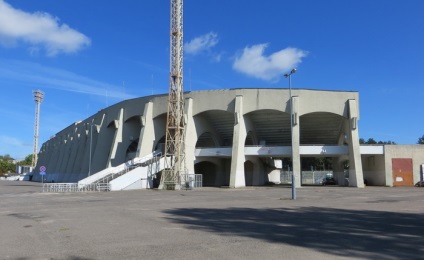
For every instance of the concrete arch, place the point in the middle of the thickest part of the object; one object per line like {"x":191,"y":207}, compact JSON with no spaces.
{"x":131,"y":151}
{"x":269,"y":126}
{"x":321,"y":128}
{"x":217,"y":122}
{"x":159,"y":125}
{"x":250,"y":139}
{"x":103,"y":148}
{"x":217,"y":168}
{"x":132,"y":128}
{"x":206,"y":139}
{"x":134,"y":107}
{"x":129,"y":133}
{"x":160,"y":144}
{"x":209,"y":173}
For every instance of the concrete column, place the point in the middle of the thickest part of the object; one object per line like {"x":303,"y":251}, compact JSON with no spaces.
{"x":147,"y":132}
{"x":356,"y":177}
{"x":239,"y":137}
{"x":190,"y":136}
{"x":99,"y":150}
{"x":296,"y":142}
{"x":117,"y":139}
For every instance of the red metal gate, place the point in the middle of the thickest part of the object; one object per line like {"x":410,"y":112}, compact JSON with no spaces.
{"x":402,"y":172}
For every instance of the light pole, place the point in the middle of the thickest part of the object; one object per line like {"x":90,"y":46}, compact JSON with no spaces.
{"x":291,"y":132}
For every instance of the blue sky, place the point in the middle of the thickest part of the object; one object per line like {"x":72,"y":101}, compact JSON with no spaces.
{"x":87,"y":55}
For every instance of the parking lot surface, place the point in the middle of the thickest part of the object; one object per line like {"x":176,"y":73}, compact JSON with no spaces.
{"x":212,"y":223}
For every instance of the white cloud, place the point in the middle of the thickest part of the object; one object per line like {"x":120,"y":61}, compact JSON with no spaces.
{"x":38,"y":29}
{"x":33,"y":74}
{"x":202,"y":43}
{"x":254,"y":63}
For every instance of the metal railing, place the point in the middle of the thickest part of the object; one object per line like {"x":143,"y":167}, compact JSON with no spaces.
{"x":191,"y":181}
{"x":130,"y":165}
{"x":75,"y":187}
{"x":307,"y":177}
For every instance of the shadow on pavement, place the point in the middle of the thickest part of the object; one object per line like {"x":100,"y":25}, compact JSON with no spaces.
{"x":341,"y":232}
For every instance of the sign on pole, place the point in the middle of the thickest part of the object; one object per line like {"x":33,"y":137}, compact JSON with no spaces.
{"x":43,"y":168}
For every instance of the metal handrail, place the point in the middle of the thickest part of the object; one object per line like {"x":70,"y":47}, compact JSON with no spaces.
{"x":134,"y":164}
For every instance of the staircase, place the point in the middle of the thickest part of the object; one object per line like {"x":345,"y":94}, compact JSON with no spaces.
{"x":137,"y":173}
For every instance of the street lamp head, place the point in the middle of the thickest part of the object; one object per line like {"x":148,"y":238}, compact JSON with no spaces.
{"x":291,"y":72}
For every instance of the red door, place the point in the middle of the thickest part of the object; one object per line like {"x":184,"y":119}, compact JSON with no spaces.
{"x":402,"y":172}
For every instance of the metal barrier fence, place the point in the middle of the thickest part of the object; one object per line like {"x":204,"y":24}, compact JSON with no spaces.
{"x":75,"y":187}
{"x":191,"y":181}
{"x":285,"y":177}
{"x":314,"y":177}
{"x":307,"y":177}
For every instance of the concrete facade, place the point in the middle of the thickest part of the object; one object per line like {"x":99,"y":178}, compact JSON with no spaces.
{"x":231,"y":135}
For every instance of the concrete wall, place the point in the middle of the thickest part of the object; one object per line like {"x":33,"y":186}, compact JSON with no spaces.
{"x":414,"y":152}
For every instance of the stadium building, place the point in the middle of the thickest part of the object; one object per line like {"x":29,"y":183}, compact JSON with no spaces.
{"x":234,"y":137}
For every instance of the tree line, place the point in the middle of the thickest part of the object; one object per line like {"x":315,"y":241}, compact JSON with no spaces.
{"x":372,"y":141}
{"x":8,"y":164}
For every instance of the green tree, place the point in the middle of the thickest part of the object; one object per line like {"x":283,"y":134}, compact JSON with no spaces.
{"x":386,"y":142}
{"x":372,"y":141}
{"x":6,"y":157}
{"x":27,"y":160}
{"x":317,"y":163}
{"x":6,"y":164}
{"x":421,"y":140}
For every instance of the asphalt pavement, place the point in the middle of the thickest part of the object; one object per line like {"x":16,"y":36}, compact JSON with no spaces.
{"x":327,"y":222}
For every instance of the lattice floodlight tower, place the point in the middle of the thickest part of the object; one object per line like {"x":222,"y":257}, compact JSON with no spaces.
{"x":38,"y":98}
{"x":175,"y":124}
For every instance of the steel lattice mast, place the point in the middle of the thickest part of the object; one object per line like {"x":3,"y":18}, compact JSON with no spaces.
{"x":175,"y":125}
{"x":38,"y":98}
